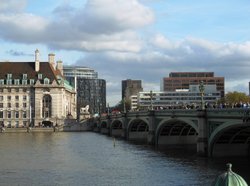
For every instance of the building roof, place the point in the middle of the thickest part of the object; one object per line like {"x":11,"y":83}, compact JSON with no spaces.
{"x":17,"y":69}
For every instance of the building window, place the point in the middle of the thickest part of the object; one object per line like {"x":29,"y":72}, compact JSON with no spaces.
{"x":9,"y":114}
{"x":24,"y":76}
{"x":24,"y":90}
{"x":17,"y":98}
{"x":1,"y":81}
{"x":1,"y":90}
{"x":9,"y":124}
{"x":32,"y":81}
{"x":24,"y":114}
{"x":1,"y":114}
{"x":24,"y":98}
{"x":40,"y":76}
{"x":46,"y":81}
{"x":9,"y":82}
{"x":17,"y":105}
{"x":16,"y":81}
{"x":1,"y":105}
{"x":9,"y":76}
{"x":47,"y":106}
{"x":9,"y":105}
{"x":24,"y":105}
{"x":17,"y":114}
{"x":9,"y":98}
{"x":24,"y":82}
{"x":9,"y":90}
{"x":17,"y":124}
{"x":17,"y":89}
{"x":1,"y":98}
{"x":25,"y":123}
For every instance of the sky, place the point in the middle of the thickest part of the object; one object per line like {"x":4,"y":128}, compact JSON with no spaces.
{"x":132,"y":39}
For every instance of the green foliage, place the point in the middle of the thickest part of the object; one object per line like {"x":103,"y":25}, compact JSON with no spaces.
{"x":120,"y":105}
{"x":236,"y":97}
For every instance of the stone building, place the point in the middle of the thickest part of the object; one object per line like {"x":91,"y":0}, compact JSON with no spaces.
{"x":35,"y":94}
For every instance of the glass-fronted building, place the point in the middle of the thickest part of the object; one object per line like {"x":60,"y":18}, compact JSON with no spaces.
{"x":90,"y":90}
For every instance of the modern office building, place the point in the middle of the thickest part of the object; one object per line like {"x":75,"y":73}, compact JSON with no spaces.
{"x":182,"y":80}
{"x":131,"y":87}
{"x":180,"y":98}
{"x":90,"y":90}
{"x":35,"y":94}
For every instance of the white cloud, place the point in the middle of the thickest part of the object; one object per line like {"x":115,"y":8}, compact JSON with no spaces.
{"x":12,"y":5}
{"x":109,"y":33}
{"x":110,"y":16}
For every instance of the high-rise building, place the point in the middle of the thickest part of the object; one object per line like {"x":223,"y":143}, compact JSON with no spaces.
{"x":90,"y":90}
{"x":35,"y":94}
{"x":131,"y":87}
{"x":182,"y":80}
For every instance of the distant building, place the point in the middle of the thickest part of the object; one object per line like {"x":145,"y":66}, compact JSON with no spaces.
{"x":90,"y":90}
{"x":177,"y":98}
{"x":134,"y":102}
{"x":35,"y":94}
{"x":182,"y":80}
{"x":131,"y":87}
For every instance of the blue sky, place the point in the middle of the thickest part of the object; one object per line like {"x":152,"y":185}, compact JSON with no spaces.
{"x":132,"y":39}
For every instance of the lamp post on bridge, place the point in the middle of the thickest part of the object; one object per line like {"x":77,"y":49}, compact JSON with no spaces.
{"x":124,"y":105}
{"x":151,"y":99}
{"x":202,"y":89}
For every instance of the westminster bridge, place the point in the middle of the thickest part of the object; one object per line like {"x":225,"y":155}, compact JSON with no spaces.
{"x":212,"y":132}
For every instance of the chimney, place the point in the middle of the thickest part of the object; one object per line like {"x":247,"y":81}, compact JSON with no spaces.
{"x":37,"y":63}
{"x":51,"y":58}
{"x":59,"y":66}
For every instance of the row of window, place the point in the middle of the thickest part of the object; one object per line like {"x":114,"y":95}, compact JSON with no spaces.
{"x":15,"y":89}
{"x":17,"y":124}
{"x":15,"y":114}
{"x":24,"y":76}
{"x":9,"y":105}
{"x":23,"y":82}
{"x":17,"y":98}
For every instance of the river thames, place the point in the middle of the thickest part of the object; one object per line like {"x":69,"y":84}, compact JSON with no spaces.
{"x":92,"y":159}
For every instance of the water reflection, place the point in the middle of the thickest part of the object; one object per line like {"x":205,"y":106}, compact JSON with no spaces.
{"x":91,"y":159}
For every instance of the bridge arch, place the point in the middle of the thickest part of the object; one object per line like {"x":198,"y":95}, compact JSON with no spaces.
{"x":138,"y":130}
{"x":116,"y":128}
{"x":230,"y":139}
{"x":104,"y":124}
{"x":116,"y":124}
{"x":176,"y":131}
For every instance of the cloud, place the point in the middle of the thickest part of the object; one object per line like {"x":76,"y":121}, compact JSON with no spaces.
{"x":110,"y":34}
{"x":100,"y":25}
{"x":8,"y":6}
{"x":22,"y":27}
{"x":18,"y":53}
{"x":111,"y":16}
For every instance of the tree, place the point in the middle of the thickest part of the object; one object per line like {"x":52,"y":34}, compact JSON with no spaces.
{"x":233,"y":98}
{"x":120,"y":105}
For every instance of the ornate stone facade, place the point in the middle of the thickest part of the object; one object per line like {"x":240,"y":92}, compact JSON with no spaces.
{"x":35,"y":94}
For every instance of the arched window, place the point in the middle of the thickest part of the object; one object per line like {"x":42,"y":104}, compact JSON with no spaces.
{"x":47,"y":106}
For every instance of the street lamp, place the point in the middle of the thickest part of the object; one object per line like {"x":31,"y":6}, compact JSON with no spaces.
{"x":124,"y":105}
{"x":151,"y":99}
{"x":202,"y":88}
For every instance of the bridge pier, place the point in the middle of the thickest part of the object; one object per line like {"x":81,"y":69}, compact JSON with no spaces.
{"x":202,"y":140}
{"x":151,"y":128}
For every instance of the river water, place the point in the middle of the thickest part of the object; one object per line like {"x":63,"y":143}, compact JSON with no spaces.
{"x":92,"y":159}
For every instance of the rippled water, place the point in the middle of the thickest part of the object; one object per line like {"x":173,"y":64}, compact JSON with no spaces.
{"x":92,"y":159}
